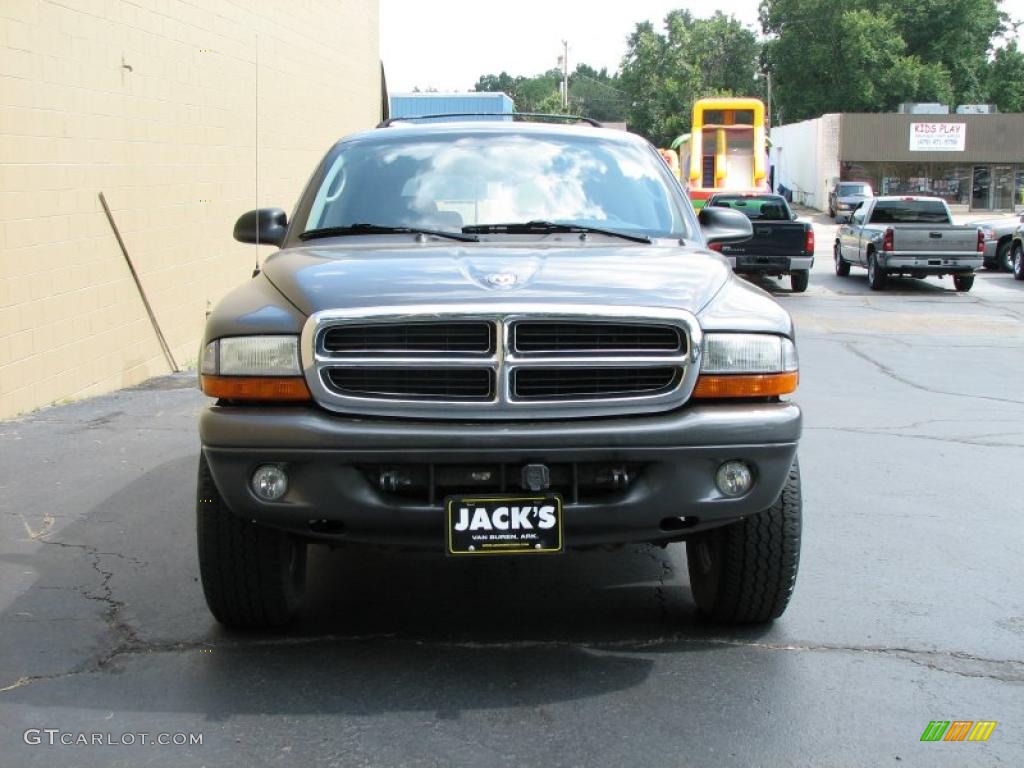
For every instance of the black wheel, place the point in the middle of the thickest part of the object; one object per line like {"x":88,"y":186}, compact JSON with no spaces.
{"x":963,"y":282}
{"x":876,"y":275}
{"x":842,"y":265}
{"x":252,"y":576}
{"x":1004,"y":260}
{"x":798,"y":280}
{"x":745,"y":572}
{"x":1018,"y":261}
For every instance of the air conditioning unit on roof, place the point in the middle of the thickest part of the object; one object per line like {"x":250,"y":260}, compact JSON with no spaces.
{"x":923,"y":109}
{"x":977,"y":109}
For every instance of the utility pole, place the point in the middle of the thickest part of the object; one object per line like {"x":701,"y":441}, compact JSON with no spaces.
{"x":565,"y":75}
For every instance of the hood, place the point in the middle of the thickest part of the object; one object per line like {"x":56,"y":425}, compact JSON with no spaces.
{"x":852,"y":198}
{"x":350,"y":276}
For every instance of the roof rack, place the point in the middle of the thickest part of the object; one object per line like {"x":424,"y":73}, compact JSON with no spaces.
{"x":540,"y":116}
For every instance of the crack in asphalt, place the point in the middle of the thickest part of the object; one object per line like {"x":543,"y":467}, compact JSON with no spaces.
{"x":125,"y":636}
{"x":957,"y":663}
{"x":890,"y":373}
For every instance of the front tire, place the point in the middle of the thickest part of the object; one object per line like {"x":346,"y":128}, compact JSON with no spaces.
{"x":745,"y":572}
{"x":799,"y":279}
{"x":963,"y":282}
{"x":252,"y":576}
{"x":842,"y":265}
{"x":1018,"y":261}
{"x":876,"y":275}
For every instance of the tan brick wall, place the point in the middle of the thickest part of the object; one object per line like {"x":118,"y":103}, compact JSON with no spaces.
{"x":172,"y":143}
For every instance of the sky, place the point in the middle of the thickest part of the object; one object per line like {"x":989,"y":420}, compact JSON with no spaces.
{"x":448,"y":44}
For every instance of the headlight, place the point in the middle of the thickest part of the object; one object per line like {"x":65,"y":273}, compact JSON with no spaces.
{"x":252,"y":356}
{"x":254,"y":368}
{"x":757,"y":365}
{"x":748,"y":353}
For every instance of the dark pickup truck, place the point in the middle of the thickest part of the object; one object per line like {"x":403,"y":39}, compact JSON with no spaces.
{"x":781,"y":245}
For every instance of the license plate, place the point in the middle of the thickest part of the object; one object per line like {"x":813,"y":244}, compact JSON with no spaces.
{"x":504,"y":525}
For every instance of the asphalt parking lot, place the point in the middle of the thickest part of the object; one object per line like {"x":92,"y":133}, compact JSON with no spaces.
{"x":909,"y":605}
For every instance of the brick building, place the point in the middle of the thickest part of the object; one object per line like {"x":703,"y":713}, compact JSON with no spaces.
{"x":184,"y":114}
{"x":973,"y":161}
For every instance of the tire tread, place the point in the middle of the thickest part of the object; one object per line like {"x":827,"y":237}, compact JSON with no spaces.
{"x":243,"y":567}
{"x":760,"y":559}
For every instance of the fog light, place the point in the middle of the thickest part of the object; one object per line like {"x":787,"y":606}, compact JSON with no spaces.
{"x":734,"y":478}
{"x":269,"y":482}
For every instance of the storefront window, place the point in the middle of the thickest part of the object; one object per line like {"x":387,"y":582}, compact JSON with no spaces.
{"x":979,"y":187}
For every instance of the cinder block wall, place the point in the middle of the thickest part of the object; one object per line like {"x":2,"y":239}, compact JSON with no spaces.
{"x":156,"y":103}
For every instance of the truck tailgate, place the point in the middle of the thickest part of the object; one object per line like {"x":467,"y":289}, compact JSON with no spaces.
{"x":938,"y":239}
{"x":771,"y":238}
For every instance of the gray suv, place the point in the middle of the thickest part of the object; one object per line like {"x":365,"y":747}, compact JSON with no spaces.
{"x":845,"y":196}
{"x":498,"y":339}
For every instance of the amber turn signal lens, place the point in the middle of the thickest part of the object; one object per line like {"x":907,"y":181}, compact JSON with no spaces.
{"x":758,"y":385}
{"x":263,"y":388}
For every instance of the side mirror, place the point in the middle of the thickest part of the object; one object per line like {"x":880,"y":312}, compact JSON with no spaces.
{"x":724,"y":225}
{"x":792,"y":216}
{"x":265,"y":226}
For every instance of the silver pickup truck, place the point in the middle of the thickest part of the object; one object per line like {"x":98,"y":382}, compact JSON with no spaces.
{"x":912,"y":236}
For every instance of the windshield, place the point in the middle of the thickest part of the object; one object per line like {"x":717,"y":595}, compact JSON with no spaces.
{"x":449,"y":182}
{"x":853,"y":189}
{"x":763,"y":208}
{"x":910,"y":212}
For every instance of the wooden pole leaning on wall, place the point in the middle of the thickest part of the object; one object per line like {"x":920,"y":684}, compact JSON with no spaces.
{"x":165,"y":348}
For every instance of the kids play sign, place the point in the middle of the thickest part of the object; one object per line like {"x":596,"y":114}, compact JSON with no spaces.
{"x":938,"y":137}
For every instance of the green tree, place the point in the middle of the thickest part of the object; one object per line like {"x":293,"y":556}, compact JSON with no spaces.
{"x":1005,"y":79}
{"x":844,"y":57}
{"x":664,"y":73}
{"x":597,"y":94}
{"x":592,"y":92}
{"x":530,"y":94}
{"x":955,"y":34}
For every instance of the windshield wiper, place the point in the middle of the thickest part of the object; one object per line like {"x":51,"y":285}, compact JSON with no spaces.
{"x":362,"y":228}
{"x":547,"y":227}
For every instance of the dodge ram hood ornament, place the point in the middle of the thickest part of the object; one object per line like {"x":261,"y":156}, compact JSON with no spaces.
{"x":502,"y":279}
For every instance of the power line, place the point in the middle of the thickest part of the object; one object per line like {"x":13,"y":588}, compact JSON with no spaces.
{"x":598,"y":82}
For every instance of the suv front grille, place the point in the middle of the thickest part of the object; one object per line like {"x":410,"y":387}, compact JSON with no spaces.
{"x":567,"y":383}
{"x":501,"y":361}
{"x":414,"y":337}
{"x":635,"y":338}
{"x":414,"y":383}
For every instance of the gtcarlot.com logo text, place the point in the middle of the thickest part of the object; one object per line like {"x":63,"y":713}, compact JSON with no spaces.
{"x":56,"y":737}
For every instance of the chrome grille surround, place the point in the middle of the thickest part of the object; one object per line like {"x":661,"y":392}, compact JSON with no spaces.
{"x":503,"y":360}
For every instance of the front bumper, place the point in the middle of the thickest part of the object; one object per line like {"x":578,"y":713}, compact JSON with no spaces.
{"x":331,"y":497}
